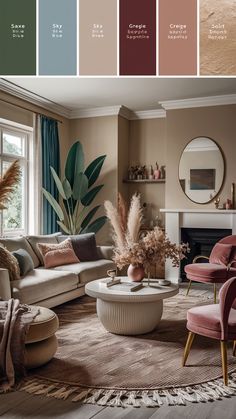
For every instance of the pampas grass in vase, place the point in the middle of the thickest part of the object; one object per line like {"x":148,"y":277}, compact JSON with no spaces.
{"x":8,"y":183}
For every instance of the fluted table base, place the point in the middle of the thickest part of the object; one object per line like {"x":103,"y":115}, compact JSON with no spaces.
{"x":129,"y":318}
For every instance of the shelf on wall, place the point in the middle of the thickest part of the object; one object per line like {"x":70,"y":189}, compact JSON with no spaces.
{"x":144,"y":181}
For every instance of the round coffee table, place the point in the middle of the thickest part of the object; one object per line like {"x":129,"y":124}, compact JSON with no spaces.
{"x":129,"y":313}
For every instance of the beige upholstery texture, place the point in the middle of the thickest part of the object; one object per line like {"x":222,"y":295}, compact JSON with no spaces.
{"x":88,"y":271}
{"x":41,"y":284}
{"x":39,"y":353}
{"x":34,"y":240}
{"x":19,"y":243}
{"x":44,"y":326}
{"x":5,"y":287}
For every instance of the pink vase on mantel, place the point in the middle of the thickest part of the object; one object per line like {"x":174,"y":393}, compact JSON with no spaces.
{"x":135,"y":273}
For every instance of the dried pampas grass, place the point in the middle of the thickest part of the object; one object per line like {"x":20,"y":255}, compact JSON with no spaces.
{"x":123,"y":212}
{"x":134,"y":220}
{"x":8,"y":182}
{"x":113,"y":216}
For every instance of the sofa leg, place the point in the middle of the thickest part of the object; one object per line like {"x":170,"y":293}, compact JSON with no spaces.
{"x":234,"y":348}
{"x":215,"y":293}
{"x":187,"y":348}
{"x":189,"y":286}
{"x":223,"y":347}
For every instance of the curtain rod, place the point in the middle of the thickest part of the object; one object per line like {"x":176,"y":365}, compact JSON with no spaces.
{"x":30,"y":110}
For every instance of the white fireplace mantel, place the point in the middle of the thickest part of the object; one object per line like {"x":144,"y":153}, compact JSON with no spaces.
{"x":175,"y":219}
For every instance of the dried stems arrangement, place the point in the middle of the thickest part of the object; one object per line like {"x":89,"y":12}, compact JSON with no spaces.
{"x":154,"y":247}
{"x":8,"y":182}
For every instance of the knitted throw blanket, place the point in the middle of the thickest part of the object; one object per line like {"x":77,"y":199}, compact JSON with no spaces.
{"x":15,"y":320}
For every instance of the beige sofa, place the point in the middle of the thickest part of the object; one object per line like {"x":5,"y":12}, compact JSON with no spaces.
{"x":51,"y":287}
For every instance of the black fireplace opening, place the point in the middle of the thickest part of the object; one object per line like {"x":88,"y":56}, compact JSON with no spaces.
{"x":201,"y":241}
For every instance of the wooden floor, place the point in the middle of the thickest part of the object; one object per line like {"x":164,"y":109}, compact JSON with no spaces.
{"x":21,"y":405}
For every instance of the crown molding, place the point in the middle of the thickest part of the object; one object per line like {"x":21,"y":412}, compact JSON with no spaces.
{"x":150,"y":114}
{"x":199,"y":102}
{"x":96,"y":112}
{"x":33,"y":98}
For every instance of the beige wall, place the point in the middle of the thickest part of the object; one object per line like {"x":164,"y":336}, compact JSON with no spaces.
{"x":216,"y":122}
{"x":100,"y":136}
{"x":147,"y":145}
{"x":123,"y":155}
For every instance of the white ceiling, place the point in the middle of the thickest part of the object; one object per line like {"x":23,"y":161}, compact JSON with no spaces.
{"x":134,"y":93}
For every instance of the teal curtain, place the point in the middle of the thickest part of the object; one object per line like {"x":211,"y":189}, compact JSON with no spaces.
{"x":50,"y":157}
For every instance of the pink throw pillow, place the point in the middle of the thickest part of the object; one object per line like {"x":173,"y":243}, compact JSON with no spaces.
{"x":220,"y":254}
{"x":60,"y":257}
{"x":58,"y":254}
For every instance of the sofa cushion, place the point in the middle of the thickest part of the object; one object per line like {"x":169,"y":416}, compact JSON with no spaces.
{"x":24,"y":260}
{"x":41,"y":284}
{"x":89,"y":271}
{"x":48,"y":238}
{"x":208,"y":272}
{"x":84,"y":246}
{"x":9,"y":262}
{"x":15,"y":243}
{"x":58,"y":254}
{"x":220,"y":254}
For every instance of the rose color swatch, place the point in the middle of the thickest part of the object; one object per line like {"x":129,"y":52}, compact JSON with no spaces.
{"x":178,"y":37}
{"x":18,"y":37}
{"x":137,"y":37}
{"x":98,"y":37}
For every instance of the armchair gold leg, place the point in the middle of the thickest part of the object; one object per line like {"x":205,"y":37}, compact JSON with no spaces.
{"x":187,"y":348}
{"x":223,"y":347}
{"x":189,"y":286}
{"x":234,"y":348}
{"x":215,"y":293}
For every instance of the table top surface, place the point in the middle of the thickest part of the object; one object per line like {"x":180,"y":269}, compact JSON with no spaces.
{"x":121,"y":292}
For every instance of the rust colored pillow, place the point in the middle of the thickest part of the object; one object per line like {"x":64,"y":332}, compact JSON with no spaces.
{"x":58,"y":254}
{"x":9,"y":262}
{"x":220,"y":254}
{"x":60,"y":257}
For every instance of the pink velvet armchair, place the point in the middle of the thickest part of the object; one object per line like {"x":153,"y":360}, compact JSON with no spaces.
{"x":221,"y":265}
{"x":216,"y":321}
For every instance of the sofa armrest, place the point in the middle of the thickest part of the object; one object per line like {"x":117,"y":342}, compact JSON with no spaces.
{"x":105,"y":252}
{"x":5,"y":287}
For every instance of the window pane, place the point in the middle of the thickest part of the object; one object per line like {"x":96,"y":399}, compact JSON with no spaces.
{"x":13,"y":144}
{"x":13,"y":216}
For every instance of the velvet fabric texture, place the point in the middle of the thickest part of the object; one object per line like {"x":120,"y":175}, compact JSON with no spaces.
{"x":84,"y":246}
{"x":220,"y":254}
{"x":217,"y":321}
{"x":58,"y":254}
{"x":24,"y":260}
{"x":9,"y":262}
{"x":206,"y":272}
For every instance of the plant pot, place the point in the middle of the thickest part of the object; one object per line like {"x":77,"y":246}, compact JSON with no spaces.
{"x":135,"y":273}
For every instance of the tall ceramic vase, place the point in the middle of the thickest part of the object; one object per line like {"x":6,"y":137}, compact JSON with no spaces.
{"x":135,"y":273}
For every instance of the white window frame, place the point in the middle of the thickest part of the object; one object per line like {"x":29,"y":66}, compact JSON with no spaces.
{"x":27,"y":132}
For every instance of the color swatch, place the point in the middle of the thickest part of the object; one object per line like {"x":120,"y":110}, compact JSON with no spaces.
{"x":218,"y":37}
{"x":98,"y":37}
{"x":18,"y":37}
{"x":177,"y":37}
{"x":137,"y":37}
{"x":57,"y":37}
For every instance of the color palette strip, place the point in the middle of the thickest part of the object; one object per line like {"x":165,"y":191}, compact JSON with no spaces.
{"x":118,"y":37}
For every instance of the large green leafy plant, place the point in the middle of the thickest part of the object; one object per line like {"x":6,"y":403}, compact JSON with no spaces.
{"x":77,"y":193}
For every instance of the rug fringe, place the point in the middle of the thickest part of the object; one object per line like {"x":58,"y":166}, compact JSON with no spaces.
{"x":201,"y":393}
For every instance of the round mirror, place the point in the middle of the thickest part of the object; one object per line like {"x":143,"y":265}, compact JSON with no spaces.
{"x":201,"y":170}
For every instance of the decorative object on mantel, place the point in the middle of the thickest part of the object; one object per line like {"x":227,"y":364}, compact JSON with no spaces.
{"x":141,"y":253}
{"x":217,"y":202}
{"x":90,"y":379}
{"x":232,"y":195}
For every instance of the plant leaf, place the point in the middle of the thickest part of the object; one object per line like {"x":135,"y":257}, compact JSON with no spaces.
{"x":95,"y":226}
{"x":89,"y":217}
{"x":90,"y":195}
{"x":64,"y":227}
{"x":58,"y":183}
{"x":74,"y":162}
{"x":93,"y":170}
{"x":67,"y":188}
{"x":54,"y":204}
{"x":80,"y":187}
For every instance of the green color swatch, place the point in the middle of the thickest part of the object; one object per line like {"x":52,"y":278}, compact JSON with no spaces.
{"x":17,"y":37}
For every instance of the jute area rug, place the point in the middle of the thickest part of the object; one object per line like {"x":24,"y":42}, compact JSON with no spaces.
{"x":95,"y":366}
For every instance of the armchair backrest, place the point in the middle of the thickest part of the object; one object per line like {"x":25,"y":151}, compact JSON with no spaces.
{"x":227,"y":297}
{"x":229,"y":240}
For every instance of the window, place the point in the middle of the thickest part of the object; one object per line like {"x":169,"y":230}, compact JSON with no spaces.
{"x":14,"y":144}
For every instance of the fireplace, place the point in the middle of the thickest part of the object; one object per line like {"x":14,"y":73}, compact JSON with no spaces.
{"x":201,"y":242}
